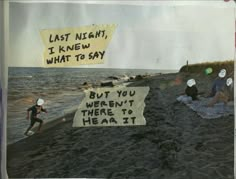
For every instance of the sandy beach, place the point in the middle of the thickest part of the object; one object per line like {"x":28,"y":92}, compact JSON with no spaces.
{"x":176,"y":143}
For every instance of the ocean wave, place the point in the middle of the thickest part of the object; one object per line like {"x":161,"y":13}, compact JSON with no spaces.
{"x":17,"y":77}
{"x":62,"y":90}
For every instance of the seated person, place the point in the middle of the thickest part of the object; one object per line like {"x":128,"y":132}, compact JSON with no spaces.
{"x":225,"y":94}
{"x":218,"y":83}
{"x":191,"y":89}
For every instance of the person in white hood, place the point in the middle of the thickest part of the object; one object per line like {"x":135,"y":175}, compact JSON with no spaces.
{"x":218,"y":83}
{"x":225,"y":94}
{"x":35,"y":110}
{"x":191,"y":89}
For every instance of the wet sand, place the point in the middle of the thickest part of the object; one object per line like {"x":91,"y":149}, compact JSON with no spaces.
{"x":176,"y":143}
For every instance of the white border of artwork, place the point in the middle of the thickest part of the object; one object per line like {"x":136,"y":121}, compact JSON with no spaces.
{"x":5,"y":55}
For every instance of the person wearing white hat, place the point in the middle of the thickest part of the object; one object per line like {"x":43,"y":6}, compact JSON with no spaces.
{"x":35,"y":110}
{"x":225,"y":94}
{"x":191,"y":89}
{"x":218,"y":83}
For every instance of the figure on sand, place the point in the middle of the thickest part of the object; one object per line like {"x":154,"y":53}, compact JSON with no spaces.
{"x":35,"y":111}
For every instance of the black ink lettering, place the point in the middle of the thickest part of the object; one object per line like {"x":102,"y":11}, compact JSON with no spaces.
{"x":119,"y":93}
{"x":90,"y":112}
{"x":67,"y":57}
{"x":93,"y":55}
{"x":96,"y":55}
{"x":59,"y":37}
{"x":78,"y":36}
{"x":51,"y":50}
{"x":130,"y":111}
{"x":124,"y":93}
{"x":67,"y":36}
{"x":98,"y":34}
{"x":103,"y":33}
{"x":96,"y":112}
{"x":62,"y":59}
{"x":90,"y":35}
{"x":77,"y":46}
{"x":119,"y":104}
{"x":49,"y":61}
{"x":132,"y":94}
{"x":99,"y":96}
{"x":112,"y":120}
{"x":84,"y":112}
{"x":124,"y":110}
{"x":96,"y":104}
{"x":103,"y":103}
{"x":90,"y":55}
{"x":61,"y":49}
{"x":102,"y":54}
{"x":68,"y":47}
{"x":133,"y":119}
{"x":89,"y":105}
{"x":80,"y":57}
{"x":107,"y":92}
{"x":109,"y":112}
{"x":92,"y":95}
{"x":95,"y":120}
{"x":57,"y":59}
{"x":85,"y":46}
{"x":103,"y":112}
{"x":86,"y":121}
{"x":125,"y":120}
{"x":50,"y":38}
{"x":111,"y":104}
{"x":56,"y":38}
{"x":84,"y":35}
{"x":104,"y":121}
{"x":131,"y":102}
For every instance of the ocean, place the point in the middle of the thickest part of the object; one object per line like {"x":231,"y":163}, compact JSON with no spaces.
{"x":59,"y":87}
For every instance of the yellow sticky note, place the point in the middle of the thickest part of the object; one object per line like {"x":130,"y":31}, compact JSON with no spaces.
{"x":76,"y":46}
{"x":120,"y":106}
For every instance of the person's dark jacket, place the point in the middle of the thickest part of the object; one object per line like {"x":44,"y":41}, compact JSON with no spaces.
{"x":192,"y":91}
{"x":217,"y":86}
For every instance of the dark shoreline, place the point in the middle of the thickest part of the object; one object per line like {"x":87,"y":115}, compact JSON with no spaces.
{"x":176,"y":143}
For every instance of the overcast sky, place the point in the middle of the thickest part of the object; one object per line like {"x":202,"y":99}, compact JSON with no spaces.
{"x":147,"y":36}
